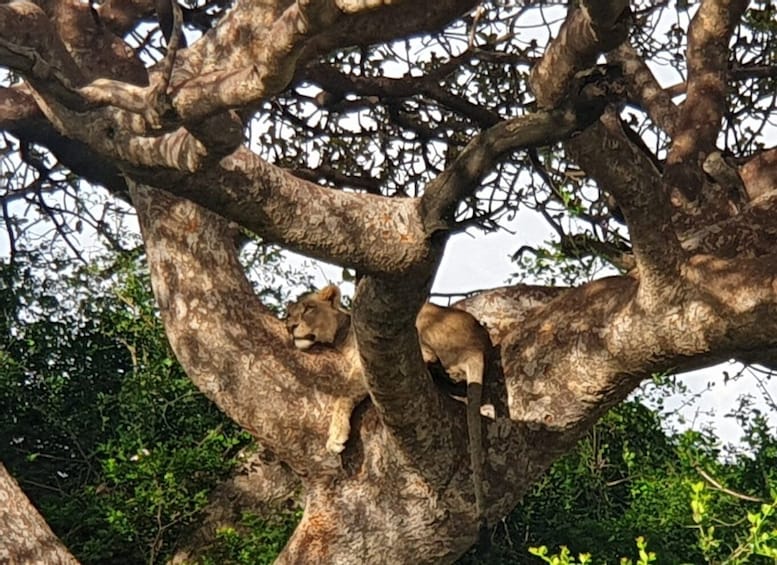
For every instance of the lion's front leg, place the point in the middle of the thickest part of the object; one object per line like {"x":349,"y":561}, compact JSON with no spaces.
{"x":340,"y":425}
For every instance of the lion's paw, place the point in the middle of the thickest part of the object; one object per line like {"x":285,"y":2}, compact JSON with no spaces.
{"x":335,"y":446}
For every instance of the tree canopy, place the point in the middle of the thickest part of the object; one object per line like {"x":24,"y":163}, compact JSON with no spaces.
{"x":365,"y":133}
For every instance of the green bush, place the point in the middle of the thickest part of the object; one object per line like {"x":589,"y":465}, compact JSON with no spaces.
{"x":100,"y":425}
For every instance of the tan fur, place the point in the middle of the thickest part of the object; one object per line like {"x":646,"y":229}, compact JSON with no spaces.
{"x":452,"y":337}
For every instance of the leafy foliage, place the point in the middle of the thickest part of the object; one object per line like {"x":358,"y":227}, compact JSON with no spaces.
{"x":629,"y":480}
{"x":256,"y":540}
{"x":110,"y":439}
{"x":565,"y":558}
{"x":101,"y":426}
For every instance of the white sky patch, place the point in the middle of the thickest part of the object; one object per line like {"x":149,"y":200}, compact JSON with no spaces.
{"x":474,"y":261}
{"x":711,"y":402}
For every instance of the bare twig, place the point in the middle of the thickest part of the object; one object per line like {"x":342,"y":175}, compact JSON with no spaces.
{"x":717,"y":486}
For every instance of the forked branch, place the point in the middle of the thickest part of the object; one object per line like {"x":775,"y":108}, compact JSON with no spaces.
{"x":700,"y":118}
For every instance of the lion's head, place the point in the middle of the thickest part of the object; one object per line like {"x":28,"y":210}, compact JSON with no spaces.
{"x":317,"y":317}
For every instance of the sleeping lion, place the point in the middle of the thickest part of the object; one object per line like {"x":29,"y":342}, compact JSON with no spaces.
{"x":452,"y":337}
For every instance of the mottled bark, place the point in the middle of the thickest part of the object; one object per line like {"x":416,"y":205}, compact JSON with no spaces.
{"x":593,"y":28}
{"x":643,"y":87}
{"x":120,"y":16}
{"x":699,"y":121}
{"x":760,"y":174}
{"x":261,"y":485}
{"x":632,"y":178}
{"x":26,"y":538}
{"x":703,"y":289}
{"x":599,"y":339}
{"x":226,"y":339}
{"x":20,"y":116}
{"x":681,"y":180}
{"x":629,"y":175}
{"x":242,"y":358}
{"x":616,"y":337}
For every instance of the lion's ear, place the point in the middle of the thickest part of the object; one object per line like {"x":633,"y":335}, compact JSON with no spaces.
{"x":330,"y":293}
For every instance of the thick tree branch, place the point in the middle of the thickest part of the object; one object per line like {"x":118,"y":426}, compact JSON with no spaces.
{"x":373,"y":234}
{"x":627,"y":173}
{"x":600,"y":334}
{"x":644,"y":89}
{"x":594,"y":28}
{"x":504,"y":310}
{"x":260,"y":68}
{"x":400,"y":386}
{"x":121,"y":136}
{"x":630,"y":175}
{"x":392,"y":20}
{"x":233,"y":75}
{"x":233,"y":349}
{"x":87,"y":112}
{"x":96,"y":50}
{"x":30,"y":45}
{"x":461,"y":178}
{"x":20,"y":116}
{"x":120,"y":16}
{"x":751,"y":233}
{"x":760,"y":173}
{"x":700,"y":118}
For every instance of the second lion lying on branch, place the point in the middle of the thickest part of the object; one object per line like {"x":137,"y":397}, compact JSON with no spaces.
{"x":452,"y":337}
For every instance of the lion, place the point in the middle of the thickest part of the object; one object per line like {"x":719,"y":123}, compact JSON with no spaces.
{"x":452,"y":337}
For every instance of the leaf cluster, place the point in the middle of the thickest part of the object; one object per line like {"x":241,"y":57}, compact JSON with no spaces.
{"x":98,"y":422}
{"x":256,"y":540}
{"x":630,"y":479}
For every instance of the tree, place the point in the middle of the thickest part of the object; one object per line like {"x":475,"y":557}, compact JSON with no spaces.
{"x":109,"y":438}
{"x":102,"y":428}
{"x":439,"y":149}
{"x":629,"y":479}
